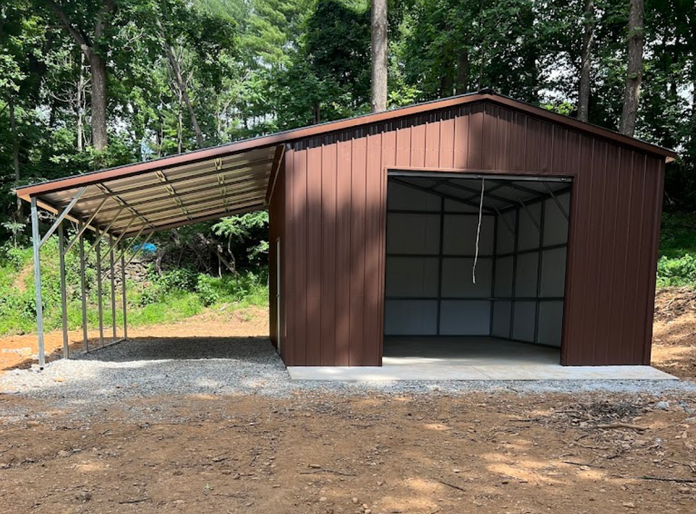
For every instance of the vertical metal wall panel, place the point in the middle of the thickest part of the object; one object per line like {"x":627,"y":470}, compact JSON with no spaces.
{"x":291,"y":263}
{"x":335,"y":218}
{"x":275,"y":214}
{"x":299,"y":269}
{"x":343,"y":253}
{"x":657,"y":166}
{"x":329,"y":158}
{"x":357,"y":251}
{"x":313,"y":255}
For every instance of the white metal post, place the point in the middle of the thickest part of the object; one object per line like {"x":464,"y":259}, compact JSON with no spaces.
{"x":63,"y":295}
{"x":125,"y":302}
{"x":113,"y":287}
{"x":99,"y":295}
{"x":36,"y":238}
{"x":83,"y":290}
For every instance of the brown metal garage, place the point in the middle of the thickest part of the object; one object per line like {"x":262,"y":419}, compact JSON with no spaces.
{"x":329,"y":210}
{"x":567,"y":244}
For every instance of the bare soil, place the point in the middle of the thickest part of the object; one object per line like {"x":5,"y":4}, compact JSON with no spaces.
{"x":19,"y":351}
{"x":481,"y":452}
{"x":674,"y":332}
{"x":478,"y":453}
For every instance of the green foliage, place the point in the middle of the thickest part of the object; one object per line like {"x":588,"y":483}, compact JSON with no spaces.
{"x":247,"y":234}
{"x":677,"y":271}
{"x":677,"y":263}
{"x":173,"y":295}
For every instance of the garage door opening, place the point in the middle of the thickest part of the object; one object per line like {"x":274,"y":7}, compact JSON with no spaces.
{"x":475,"y":277}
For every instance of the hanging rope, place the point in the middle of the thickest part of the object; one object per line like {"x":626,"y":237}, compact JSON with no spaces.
{"x":478,"y":232}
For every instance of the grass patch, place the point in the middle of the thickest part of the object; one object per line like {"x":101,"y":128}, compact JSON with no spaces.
{"x":173,"y":296}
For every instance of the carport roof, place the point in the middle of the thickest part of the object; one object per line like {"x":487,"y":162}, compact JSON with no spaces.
{"x":229,"y":179}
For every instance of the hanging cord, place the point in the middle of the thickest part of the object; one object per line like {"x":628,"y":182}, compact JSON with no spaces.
{"x":478,"y":232}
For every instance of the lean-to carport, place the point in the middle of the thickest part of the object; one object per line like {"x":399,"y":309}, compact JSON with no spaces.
{"x":124,"y":205}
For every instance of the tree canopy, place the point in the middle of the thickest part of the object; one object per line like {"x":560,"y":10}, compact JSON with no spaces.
{"x":179,"y":75}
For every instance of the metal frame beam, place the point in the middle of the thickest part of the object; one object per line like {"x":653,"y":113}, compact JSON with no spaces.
{"x":187,"y":178}
{"x":438,"y":193}
{"x":82,"y":226}
{"x":558,"y":203}
{"x":208,"y":217}
{"x":61,"y":216}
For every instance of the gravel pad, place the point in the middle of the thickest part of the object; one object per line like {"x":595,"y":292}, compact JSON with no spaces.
{"x":152,"y":367}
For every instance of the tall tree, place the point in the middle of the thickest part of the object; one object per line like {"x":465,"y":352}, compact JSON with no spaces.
{"x":634,"y":71}
{"x":379,"y":55}
{"x":586,"y":61}
{"x":88,"y":23}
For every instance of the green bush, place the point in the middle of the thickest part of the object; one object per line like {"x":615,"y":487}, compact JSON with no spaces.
{"x":173,"y":295}
{"x":676,"y":271}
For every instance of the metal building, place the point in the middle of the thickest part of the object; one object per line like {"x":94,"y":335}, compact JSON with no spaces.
{"x":472,"y":216}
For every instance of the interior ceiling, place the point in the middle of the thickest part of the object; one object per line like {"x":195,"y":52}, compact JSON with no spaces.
{"x":167,"y":198}
{"x":499,"y":194}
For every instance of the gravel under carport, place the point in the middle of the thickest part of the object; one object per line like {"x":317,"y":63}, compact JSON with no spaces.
{"x":229,"y":366}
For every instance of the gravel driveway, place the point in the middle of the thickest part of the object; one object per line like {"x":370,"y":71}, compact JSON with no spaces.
{"x":230,"y":366}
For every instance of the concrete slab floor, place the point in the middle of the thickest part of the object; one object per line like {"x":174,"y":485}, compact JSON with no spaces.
{"x":471,"y":358}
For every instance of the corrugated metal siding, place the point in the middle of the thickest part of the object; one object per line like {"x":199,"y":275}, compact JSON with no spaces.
{"x":335,"y":224}
{"x":276,"y":230}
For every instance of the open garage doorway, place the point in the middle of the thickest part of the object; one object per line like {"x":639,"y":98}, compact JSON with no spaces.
{"x":475,"y":279}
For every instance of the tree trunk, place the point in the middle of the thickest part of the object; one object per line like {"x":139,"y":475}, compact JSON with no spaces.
{"x":586,"y":62}
{"x":79,"y":105}
{"x":15,"y":148}
{"x":183,"y":90}
{"x":98,"y":101}
{"x":462,"y":72}
{"x":379,"y":55}
{"x":636,"y":32}
{"x":97,"y":65}
{"x":447,"y":83}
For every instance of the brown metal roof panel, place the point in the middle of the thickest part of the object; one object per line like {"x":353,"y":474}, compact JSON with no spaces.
{"x":307,"y":132}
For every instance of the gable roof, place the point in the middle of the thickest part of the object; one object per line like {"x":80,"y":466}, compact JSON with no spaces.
{"x":174,"y":191}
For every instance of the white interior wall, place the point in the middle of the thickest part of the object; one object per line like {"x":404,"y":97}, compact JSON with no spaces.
{"x":464,"y":309}
{"x":414,"y":263}
{"x":518,"y":318}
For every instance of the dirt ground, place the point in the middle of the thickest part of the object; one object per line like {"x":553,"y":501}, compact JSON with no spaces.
{"x":20,"y":351}
{"x":674,"y":332}
{"x":476,"y":453}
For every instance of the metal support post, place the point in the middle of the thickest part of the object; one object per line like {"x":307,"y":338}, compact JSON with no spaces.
{"x":123,"y":250}
{"x":514,"y":273}
{"x":439,"y":264}
{"x":83,"y":226}
{"x":125,"y":299}
{"x":540,"y":270}
{"x":83,"y":292}
{"x":100,"y":235}
{"x":99,"y":295}
{"x":63,"y":295}
{"x":36,"y":239}
{"x":113,"y":287}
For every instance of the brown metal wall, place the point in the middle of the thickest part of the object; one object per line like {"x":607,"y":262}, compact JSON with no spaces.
{"x":276,"y":211}
{"x":334,"y":228}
